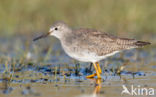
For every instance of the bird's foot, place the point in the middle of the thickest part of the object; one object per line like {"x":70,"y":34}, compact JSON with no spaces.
{"x":91,"y":76}
{"x":98,"y":71}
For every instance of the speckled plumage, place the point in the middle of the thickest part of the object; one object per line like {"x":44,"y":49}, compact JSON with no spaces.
{"x":89,"y":45}
{"x":95,"y":41}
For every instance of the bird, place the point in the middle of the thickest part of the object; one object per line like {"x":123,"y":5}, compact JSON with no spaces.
{"x":90,"y":45}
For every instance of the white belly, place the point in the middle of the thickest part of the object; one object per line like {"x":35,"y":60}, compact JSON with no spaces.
{"x":86,"y":56}
{"x":92,"y":57}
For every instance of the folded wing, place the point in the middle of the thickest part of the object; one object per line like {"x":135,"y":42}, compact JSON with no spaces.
{"x":103,"y":43}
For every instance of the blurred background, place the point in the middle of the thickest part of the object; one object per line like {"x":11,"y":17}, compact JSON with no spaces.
{"x":24,"y":61}
{"x":131,"y":18}
{"x":22,"y":20}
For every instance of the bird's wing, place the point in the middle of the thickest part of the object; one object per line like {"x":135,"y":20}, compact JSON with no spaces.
{"x":103,"y":43}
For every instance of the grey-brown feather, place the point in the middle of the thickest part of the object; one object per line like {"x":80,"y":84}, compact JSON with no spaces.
{"x":99,"y":42}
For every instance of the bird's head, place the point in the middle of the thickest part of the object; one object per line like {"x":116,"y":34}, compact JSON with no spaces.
{"x":58,"y":29}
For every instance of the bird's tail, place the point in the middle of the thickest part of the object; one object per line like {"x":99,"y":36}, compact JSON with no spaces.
{"x":141,"y":43}
{"x":126,"y":43}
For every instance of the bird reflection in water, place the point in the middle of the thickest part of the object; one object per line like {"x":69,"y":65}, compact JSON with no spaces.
{"x":97,"y":86}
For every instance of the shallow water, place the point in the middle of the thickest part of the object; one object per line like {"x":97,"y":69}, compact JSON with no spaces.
{"x":48,"y":72}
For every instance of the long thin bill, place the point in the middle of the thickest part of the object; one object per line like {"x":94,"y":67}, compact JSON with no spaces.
{"x":39,"y":37}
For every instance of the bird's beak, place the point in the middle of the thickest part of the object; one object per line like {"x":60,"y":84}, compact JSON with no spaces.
{"x":42,"y":36}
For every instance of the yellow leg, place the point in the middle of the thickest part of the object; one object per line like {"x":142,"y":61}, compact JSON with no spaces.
{"x":91,"y":76}
{"x":98,"y":67}
{"x":98,"y":71}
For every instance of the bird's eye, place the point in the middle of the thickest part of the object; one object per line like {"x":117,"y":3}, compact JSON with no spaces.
{"x":56,"y":28}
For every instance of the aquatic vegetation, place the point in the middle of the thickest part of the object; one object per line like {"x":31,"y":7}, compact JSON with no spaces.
{"x":38,"y":69}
